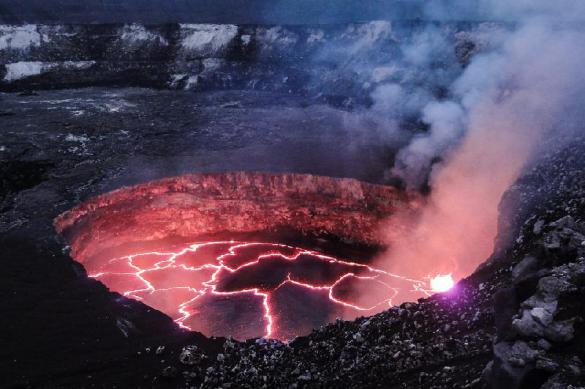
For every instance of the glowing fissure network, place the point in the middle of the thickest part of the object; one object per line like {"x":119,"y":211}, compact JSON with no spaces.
{"x":177,"y":282}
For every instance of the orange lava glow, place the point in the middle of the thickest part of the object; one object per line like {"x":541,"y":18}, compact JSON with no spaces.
{"x":189,"y":281}
{"x":442,"y":283}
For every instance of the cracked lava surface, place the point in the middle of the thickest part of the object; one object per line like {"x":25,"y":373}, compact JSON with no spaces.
{"x":248,"y":290}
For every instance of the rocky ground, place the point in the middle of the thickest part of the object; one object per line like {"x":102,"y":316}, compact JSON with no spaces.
{"x":58,"y":148}
{"x":517,"y":322}
{"x":337,"y":64}
{"x":238,"y":203}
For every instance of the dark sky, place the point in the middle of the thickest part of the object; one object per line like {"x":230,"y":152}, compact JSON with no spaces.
{"x":205,"y":11}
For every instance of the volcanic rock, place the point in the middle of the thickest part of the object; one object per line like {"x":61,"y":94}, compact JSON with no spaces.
{"x":191,"y":355}
{"x":526,"y":267}
{"x":202,"y":57}
{"x":547,"y":315}
{"x":51,"y":302}
{"x":194,"y":206}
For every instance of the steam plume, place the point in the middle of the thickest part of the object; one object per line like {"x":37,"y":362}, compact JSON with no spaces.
{"x":505,"y":103}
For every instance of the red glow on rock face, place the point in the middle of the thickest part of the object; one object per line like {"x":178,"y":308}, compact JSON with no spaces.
{"x":249,"y":290}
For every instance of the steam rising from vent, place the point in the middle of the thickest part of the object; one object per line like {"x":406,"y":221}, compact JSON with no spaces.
{"x":509,"y":99}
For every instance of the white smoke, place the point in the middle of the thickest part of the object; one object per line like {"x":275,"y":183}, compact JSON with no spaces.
{"x":525,"y":90}
{"x":445,"y":117}
{"x":446,"y":122}
{"x":403,"y":68}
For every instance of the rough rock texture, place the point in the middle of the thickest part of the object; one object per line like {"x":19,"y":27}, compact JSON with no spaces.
{"x":63,"y":159}
{"x":192,"y":206}
{"x":516,"y":323}
{"x":60,"y":148}
{"x":539,"y":315}
{"x":284,"y":59}
{"x":442,"y":341}
{"x":542,"y":339}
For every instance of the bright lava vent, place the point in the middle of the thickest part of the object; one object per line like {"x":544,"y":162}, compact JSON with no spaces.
{"x":442,"y":283}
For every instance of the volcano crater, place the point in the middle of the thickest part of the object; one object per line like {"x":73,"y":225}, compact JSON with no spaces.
{"x":243,"y":254}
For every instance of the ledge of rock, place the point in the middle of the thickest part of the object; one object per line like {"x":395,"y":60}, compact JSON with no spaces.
{"x":199,"y":205}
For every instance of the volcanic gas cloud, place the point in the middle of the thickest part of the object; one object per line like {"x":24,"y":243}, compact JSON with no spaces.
{"x":242,"y":254}
{"x":511,"y":103}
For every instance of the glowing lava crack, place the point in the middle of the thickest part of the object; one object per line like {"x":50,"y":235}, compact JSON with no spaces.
{"x":248,"y":290}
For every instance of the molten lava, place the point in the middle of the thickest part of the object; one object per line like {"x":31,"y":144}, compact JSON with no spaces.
{"x":138,"y":241}
{"x":249,"y":289}
{"x":442,"y":283}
